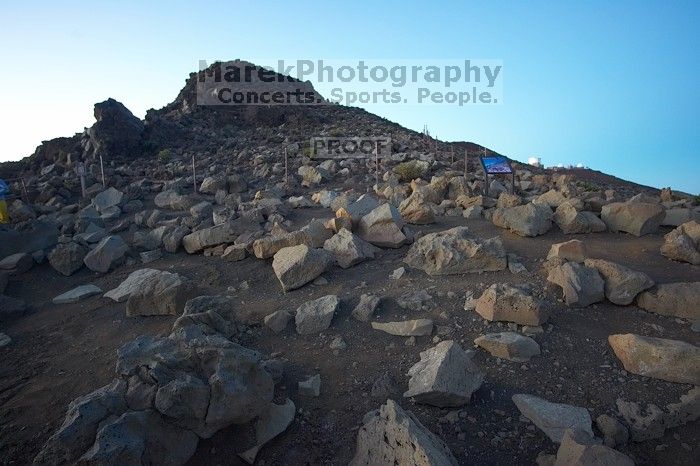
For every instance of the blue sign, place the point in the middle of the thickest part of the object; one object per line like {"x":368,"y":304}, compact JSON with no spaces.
{"x":496,"y":164}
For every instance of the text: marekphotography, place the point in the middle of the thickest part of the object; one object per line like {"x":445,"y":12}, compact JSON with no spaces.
{"x":458,"y":82}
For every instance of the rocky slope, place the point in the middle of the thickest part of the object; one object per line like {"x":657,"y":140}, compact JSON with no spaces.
{"x":409,"y":315}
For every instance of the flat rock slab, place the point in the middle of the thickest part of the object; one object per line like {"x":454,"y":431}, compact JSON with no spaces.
{"x":77,"y":294}
{"x":553,"y":418}
{"x":392,"y":436}
{"x":406,"y":328}
{"x":509,"y":345}
{"x":659,"y":358}
{"x":445,"y":376}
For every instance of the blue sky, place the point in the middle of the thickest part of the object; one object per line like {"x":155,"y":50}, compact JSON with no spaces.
{"x":612,"y":85}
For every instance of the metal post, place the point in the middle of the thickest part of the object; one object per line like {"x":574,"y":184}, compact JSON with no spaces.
{"x":102,"y":169}
{"x":465,"y":164}
{"x":376,"y":162}
{"x":194,"y":175}
{"x":24,"y":191}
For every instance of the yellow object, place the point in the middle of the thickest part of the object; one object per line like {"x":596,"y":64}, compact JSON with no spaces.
{"x":4,"y":218}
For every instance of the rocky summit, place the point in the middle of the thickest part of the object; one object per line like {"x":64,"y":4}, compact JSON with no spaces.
{"x":226,"y":295}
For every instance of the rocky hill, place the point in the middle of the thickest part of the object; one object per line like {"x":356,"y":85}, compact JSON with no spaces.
{"x":222,"y":295}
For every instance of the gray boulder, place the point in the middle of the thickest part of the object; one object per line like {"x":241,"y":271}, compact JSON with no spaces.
{"x":108,"y":253}
{"x":67,"y":258}
{"x":445,"y":376}
{"x":659,"y":358}
{"x":107,"y":199}
{"x":581,"y":285}
{"x":164,"y":293}
{"x":391,"y":435}
{"x":383,"y":227}
{"x":672,"y":299}
{"x":524,"y":220}
{"x":622,"y":284}
{"x":683,"y":243}
{"x":509,"y":345}
{"x":503,"y":302}
{"x":348,"y":249}
{"x":316,"y":316}
{"x":636,"y":218}
{"x":298,"y":265}
{"x":579,"y":448}
{"x":456,"y":251}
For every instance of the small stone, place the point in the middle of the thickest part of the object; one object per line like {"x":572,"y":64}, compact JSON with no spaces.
{"x":310,"y":387}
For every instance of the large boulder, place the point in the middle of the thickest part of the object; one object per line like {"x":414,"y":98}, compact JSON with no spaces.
{"x":622,"y":284}
{"x":298,"y":265}
{"x":316,"y":316}
{"x":572,"y":221}
{"x":673,"y":299}
{"x":168,"y":394}
{"x":131,"y":284}
{"x":383,"y":227}
{"x":32,"y":236}
{"x":108,"y":253}
{"x":67,"y":258}
{"x":163,"y":294}
{"x":683,"y":243}
{"x":524,"y":220}
{"x":141,"y":437}
{"x":636,"y":218}
{"x":445,"y":376}
{"x":553,"y":418}
{"x":216,"y":235}
{"x":107,"y":199}
{"x":581,"y":285}
{"x":391,"y":436}
{"x":659,"y":358}
{"x":349,"y":249}
{"x":456,"y":251}
{"x":417,"y":210}
{"x":313,"y":235}
{"x":116,"y":133}
{"x":171,"y":199}
{"x":678,"y":216}
{"x":503,"y":302}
